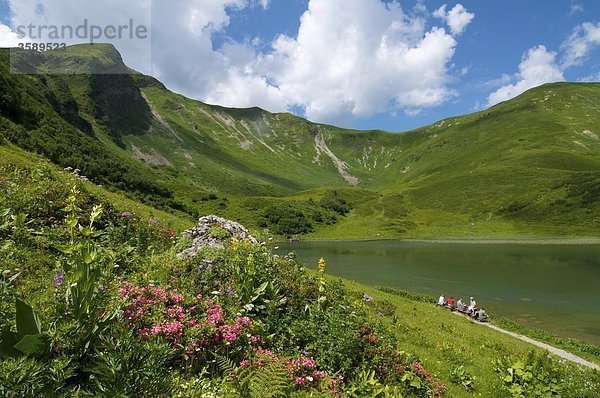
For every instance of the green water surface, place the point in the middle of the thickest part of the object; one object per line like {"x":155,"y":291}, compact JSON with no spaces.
{"x":551,"y":287}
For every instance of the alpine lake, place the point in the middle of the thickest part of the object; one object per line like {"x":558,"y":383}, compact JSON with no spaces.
{"x":554,"y":287}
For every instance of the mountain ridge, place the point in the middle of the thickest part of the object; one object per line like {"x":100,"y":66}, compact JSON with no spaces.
{"x":528,"y":163}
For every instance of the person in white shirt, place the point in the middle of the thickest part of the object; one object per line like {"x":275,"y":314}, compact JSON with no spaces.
{"x":442,"y":300}
{"x":472,"y":305}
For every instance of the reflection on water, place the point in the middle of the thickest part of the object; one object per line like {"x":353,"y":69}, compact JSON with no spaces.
{"x":551,"y":287}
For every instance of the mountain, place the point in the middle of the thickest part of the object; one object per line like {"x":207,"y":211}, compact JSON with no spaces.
{"x":528,"y":166}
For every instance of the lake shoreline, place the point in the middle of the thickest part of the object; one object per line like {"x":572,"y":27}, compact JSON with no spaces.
{"x":542,"y":241}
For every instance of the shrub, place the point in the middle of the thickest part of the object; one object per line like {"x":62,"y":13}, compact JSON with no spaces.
{"x":333,"y":201}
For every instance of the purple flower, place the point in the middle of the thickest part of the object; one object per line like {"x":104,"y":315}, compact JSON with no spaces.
{"x":126,"y":214}
{"x":58,"y":279}
{"x":101,"y":288}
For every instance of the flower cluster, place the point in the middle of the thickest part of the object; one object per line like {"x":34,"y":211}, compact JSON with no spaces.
{"x":190,"y":325}
{"x":393,"y":366}
{"x":302,"y":370}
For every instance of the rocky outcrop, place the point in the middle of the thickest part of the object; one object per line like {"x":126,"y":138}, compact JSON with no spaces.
{"x":212,"y":232}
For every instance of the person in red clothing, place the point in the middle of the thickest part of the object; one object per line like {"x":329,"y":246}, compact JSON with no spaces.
{"x":450,"y":302}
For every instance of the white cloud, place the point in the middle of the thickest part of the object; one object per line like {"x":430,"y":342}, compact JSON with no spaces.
{"x":593,"y":78}
{"x":458,"y":18}
{"x":575,"y":8}
{"x":349,"y":59}
{"x":537,"y":67}
{"x":355,"y":58}
{"x":8,"y":38}
{"x":580,"y":43}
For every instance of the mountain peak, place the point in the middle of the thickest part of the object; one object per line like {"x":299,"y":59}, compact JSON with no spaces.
{"x":96,"y":58}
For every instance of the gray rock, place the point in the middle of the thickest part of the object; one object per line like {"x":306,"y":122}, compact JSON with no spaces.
{"x":203,"y":235}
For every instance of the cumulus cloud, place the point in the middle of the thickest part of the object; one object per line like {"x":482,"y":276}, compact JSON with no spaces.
{"x":580,"y":43}
{"x":349,"y":58}
{"x":537,"y":67}
{"x":8,"y":38}
{"x":458,"y":18}
{"x":353,"y":58}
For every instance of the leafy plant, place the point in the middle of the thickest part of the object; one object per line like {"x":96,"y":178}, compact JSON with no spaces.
{"x":122,"y":366}
{"x":366,"y":384}
{"x":25,"y":376}
{"x":533,"y":375}
{"x":82,"y":267}
{"x":462,"y":377}
{"x":28,"y":339}
{"x":322,"y":300}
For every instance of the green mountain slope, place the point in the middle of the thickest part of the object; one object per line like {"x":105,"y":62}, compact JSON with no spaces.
{"x":529,"y":166}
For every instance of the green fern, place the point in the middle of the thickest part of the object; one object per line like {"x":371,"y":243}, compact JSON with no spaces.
{"x":269,"y":381}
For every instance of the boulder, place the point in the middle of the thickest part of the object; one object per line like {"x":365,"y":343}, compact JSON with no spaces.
{"x":213,"y":232}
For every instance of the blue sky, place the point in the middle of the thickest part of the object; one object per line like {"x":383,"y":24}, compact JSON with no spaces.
{"x":368,"y":64}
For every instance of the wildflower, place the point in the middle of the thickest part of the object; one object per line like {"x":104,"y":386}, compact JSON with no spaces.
{"x":245,"y":362}
{"x":126,"y":214}
{"x":101,"y":288}
{"x":367,"y":299}
{"x":215,"y":292}
{"x":249,"y":307}
{"x":153,"y":220}
{"x":58,"y":279}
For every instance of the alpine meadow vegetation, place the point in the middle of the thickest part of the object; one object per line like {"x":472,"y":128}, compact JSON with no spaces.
{"x":96,"y":302}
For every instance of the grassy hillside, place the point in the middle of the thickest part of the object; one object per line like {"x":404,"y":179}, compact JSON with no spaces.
{"x":526,"y":167}
{"x":119,"y":314}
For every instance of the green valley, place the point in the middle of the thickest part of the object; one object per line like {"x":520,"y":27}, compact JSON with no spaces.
{"x":525,"y":167}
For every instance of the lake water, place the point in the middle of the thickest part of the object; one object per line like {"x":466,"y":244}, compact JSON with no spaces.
{"x":552,"y":287}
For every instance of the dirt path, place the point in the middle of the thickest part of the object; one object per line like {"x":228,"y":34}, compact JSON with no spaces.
{"x":556,"y":351}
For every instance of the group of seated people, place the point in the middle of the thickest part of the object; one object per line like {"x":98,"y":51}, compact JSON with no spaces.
{"x":460,"y":306}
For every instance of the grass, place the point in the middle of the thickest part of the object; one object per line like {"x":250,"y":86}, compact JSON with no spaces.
{"x":443,"y":340}
{"x":13,"y":156}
